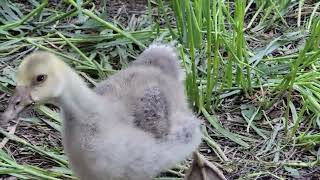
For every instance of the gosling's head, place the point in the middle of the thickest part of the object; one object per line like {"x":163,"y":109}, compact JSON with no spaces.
{"x":39,"y":79}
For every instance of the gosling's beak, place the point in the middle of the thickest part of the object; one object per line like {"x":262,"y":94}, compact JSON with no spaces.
{"x":18,"y":102}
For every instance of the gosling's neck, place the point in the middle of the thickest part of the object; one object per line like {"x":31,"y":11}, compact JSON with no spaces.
{"x":78,"y":99}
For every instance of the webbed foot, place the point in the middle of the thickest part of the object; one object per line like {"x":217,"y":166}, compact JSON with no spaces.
{"x":202,"y":169}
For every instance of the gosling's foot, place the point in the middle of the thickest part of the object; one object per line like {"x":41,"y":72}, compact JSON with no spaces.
{"x":202,"y":169}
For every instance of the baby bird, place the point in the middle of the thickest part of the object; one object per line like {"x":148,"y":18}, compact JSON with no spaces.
{"x":132,"y":126}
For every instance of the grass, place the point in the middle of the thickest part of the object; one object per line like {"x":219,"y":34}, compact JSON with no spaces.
{"x":252,"y":74}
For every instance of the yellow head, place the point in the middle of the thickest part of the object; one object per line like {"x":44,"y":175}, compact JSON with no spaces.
{"x":39,"y":79}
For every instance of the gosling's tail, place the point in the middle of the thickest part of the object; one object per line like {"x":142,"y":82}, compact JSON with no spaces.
{"x":161,"y":56}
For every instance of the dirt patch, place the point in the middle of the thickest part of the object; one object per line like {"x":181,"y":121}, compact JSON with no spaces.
{"x":123,"y":10}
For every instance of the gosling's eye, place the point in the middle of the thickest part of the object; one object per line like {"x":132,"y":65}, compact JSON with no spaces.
{"x":40,"y":78}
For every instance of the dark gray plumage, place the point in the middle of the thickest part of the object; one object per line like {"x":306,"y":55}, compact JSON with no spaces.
{"x":152,"y":112}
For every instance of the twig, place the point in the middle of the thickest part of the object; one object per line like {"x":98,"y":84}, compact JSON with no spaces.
{"x":12,"y":131}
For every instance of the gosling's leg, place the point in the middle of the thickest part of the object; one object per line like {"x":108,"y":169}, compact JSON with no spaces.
{"x":202,"y":169}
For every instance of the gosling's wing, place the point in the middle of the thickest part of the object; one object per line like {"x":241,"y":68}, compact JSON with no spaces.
{"x":161,"y":56}
{"x":104,"y":87}
{"x":151,"y":112}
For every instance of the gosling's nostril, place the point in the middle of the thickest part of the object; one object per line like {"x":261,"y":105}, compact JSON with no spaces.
{"x":16,"y":104}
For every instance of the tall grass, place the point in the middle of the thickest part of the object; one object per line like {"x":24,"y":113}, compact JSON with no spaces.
{"x":214,"y":35}
{"x":220,"y":26}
